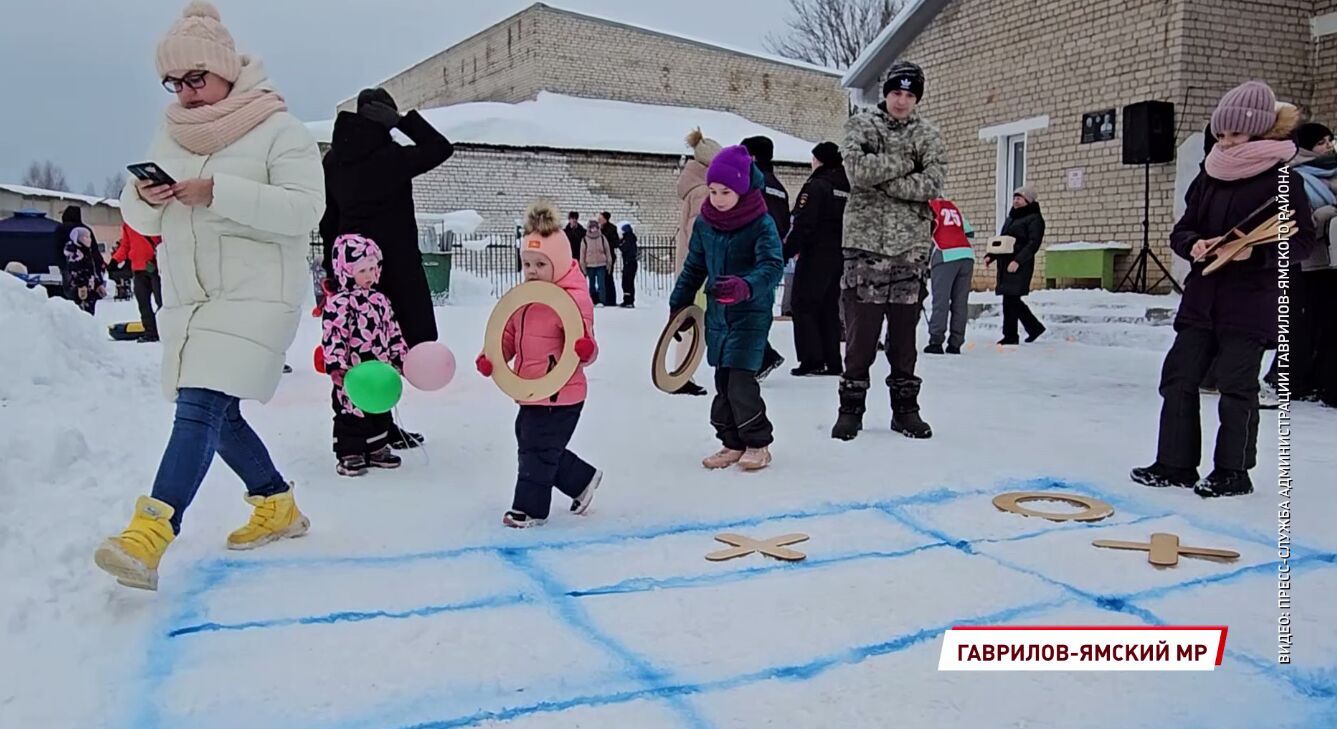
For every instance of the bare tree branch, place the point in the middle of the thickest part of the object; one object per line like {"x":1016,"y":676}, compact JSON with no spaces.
{"x":112,"y":186}
{"x":47,"y":176}
{"x":832,"y":32}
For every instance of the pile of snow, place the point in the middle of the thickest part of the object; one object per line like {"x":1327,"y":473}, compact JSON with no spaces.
{"x":39,"y":367}
{"x":82,"y":419}
{"x":459,"y":222}
{"x":567,"y":122}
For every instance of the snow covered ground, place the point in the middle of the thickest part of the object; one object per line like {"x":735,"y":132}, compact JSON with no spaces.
{"x":409,"y":605}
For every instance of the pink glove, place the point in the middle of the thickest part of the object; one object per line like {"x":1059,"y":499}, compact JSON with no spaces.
{"x":484,"y":365}
{"x":731,"y":290}
{"x":584,"y":348}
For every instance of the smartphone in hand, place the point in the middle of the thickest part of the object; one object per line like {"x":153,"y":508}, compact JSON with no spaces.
{"x":151,"y":172}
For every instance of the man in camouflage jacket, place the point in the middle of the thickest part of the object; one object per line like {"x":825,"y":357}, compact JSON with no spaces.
{"x":896,"y":163}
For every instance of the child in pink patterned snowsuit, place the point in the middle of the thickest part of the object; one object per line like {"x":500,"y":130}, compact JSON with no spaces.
{"x":359,"y":326}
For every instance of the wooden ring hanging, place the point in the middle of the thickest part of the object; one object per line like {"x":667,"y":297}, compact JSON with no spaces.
{"x":671,"y":382}
{"x":1093,"y":509}
{"x":541,"y":293}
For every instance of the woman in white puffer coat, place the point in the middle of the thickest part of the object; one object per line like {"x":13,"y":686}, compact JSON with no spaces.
{"x":235,"y":229}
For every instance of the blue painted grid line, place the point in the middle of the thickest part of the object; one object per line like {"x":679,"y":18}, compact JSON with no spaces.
{"x":353,"y":616}
{"x":646,"y":584}
{"x":210,"y":575}
{"x":1125,"y":604}
{"x":933,"y":496}
{"x":575,"y":616}
{"x":805,"y":671}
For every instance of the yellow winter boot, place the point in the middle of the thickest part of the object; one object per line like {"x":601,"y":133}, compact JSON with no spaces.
{"x":132,"y":558}
{"x":275,"y":517}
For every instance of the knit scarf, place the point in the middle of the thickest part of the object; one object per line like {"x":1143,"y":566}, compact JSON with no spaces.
{"x":750,"y":207}
{"x":210,"y":129}
{"x":1249,"y":159}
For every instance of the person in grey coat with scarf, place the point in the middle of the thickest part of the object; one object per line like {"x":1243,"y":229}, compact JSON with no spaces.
{"x":1027,"y":225}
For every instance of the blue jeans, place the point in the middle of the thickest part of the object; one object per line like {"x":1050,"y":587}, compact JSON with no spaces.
{"x":209,"y":422}
{"x":598,"y":282}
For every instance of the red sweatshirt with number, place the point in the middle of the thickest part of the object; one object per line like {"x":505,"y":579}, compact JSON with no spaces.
{"x":949,"y":232}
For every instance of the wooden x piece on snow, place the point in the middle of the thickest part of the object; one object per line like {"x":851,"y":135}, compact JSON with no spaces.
{"x":773,"y":547}
{"x":1164,"y":550}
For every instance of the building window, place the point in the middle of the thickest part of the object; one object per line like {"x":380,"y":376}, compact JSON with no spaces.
{"x":1010,"y":139}
{"x":1011,"y":171}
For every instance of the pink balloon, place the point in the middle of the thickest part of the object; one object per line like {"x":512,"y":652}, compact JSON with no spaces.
{"x":429,"y":366}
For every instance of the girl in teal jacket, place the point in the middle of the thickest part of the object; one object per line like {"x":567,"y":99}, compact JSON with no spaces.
{"x":735,"y":251}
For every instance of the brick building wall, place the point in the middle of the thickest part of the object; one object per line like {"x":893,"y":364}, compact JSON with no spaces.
{"x":992,"y":62}
{"x":543,"y":48}
{"x":501,"y":182}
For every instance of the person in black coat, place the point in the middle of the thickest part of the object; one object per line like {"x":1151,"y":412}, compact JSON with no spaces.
{"x":762,"y":150}
{"x":816,"y":236}
{"x":72,"y":217}
{"x":611,"y":234}
{"x":1027,"y":225}
{"x":631,"y":252}
{"x":575,"y":232}
{"x":1226,"y":319}
{"x":369,"y":191}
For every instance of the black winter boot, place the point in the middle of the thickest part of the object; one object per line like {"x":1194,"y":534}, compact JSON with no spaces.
{"x":905,"y":408}
{"x":1160,"y":476}
{"x":1224,"y":482}
{"x":849,"y":420}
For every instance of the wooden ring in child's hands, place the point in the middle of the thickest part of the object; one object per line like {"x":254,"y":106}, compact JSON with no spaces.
{"x":671,"y":382}
{"x":573,"y":327}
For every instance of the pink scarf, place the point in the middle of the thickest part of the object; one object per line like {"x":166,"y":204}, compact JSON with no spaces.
{"x":1249,"y":159}
{"x":209,"y":129}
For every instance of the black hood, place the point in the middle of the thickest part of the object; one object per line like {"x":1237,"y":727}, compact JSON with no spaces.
{"x":762,"y":150}
{"x":72,"y":214}
{"x":357,"y":137}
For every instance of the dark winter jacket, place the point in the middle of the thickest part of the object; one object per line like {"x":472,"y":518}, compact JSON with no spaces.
{"x":71,"y":218}
{"x":1027,"y":225}
{"x":1240,"y":297}
{"x":83,"y":269}
{"x":735,"y":334}
{"x":611,"y":235}
{"x":358,"y":325}
{"x":777,"y":200}
{"x":575,"y":232}
{"x":369,"y":191}
{"x":631,"y":249}
{"x":819,"y":215}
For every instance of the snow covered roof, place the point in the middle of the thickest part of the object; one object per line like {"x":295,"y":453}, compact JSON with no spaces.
{"x":567,"y":122}
{"x":39,"y":192}
{"x":878,"y":55}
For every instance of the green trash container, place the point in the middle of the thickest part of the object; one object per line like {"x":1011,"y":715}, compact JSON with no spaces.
{"x":437,"y":268}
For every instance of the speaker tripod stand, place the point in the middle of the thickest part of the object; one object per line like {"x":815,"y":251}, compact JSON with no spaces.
{"x":1137,"y":273}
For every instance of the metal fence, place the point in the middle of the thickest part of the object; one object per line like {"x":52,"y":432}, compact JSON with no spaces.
{"x":489,"y":265}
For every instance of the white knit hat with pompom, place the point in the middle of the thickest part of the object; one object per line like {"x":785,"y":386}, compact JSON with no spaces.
{"x":199,"y":42}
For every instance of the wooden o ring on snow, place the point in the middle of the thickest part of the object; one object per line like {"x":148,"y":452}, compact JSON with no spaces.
{"x":1094,"y":509}
{"x":671,"y":382}
{"x":543,"y":294}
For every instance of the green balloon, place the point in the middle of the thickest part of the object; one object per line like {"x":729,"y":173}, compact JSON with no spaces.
{"x":374,"y":387}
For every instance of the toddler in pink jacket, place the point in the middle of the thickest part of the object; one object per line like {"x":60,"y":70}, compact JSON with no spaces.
{"x":534,"y":339}
{"x":358,"y":326}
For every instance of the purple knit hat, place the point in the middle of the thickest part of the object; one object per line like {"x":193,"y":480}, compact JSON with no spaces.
{"x":732,"y":167}
{"x":1250,"y":108}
